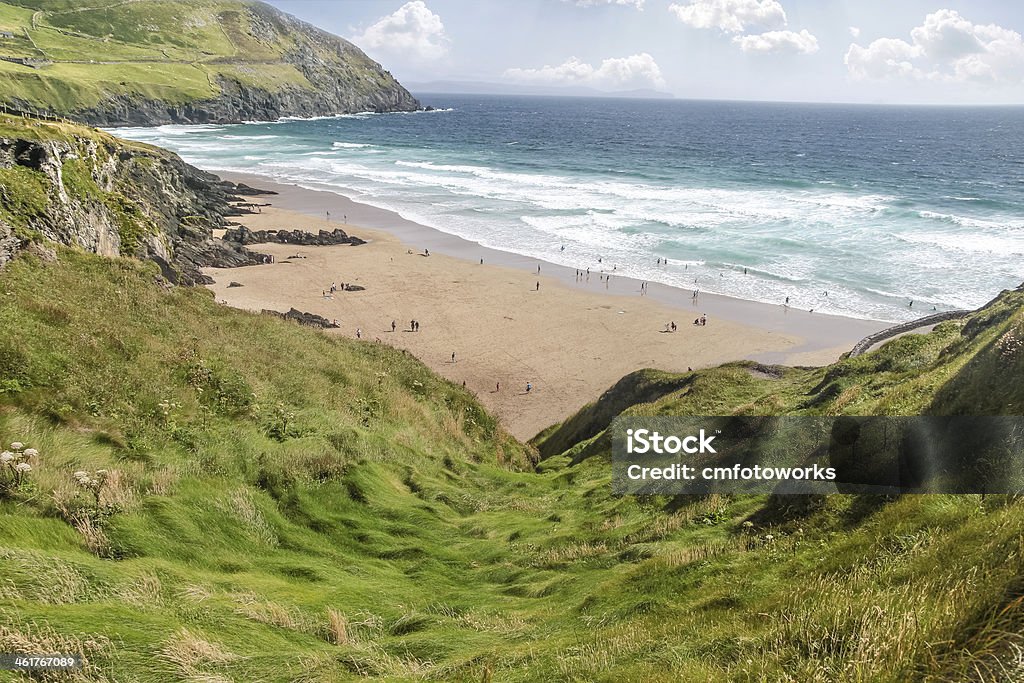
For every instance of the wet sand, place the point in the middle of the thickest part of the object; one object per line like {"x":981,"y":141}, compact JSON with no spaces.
{"x":572,"y":339}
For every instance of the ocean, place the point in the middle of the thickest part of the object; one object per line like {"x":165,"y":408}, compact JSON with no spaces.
{"x":875,"y":206}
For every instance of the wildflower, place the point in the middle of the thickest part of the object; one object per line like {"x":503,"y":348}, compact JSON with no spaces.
{"x":769,"y":538}
{"x":23,"y":467}
{"x":31,"y":452}
{"x":17,"y":446}
{"x":6,"y":457}
{"x":80,"y":475}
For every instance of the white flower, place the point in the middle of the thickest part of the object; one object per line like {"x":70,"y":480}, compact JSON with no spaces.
{"x":23,"y":467}
{"x":6,"y":457}
{"x":31,"y":452}
{"x":17,"y":446}
{"x":80,"y":474}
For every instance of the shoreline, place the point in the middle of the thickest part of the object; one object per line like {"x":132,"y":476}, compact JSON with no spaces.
{"x":821,"y":331}
{"x":570,"y":339}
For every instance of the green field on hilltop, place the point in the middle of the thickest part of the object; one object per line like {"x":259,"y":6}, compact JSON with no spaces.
{"x":95,"y":50}
{"x":76,"y":59}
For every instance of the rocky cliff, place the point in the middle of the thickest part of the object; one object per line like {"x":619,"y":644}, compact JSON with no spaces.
{"x":206,"y":61}
{"x":81,"y":187}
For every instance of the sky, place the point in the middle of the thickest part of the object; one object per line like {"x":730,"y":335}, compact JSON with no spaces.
{"x":866,"y":51}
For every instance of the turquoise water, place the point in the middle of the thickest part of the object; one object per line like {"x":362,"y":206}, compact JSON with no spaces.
{"x":877,"y":206}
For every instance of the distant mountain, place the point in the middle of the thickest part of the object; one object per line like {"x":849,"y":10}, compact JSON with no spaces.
{"x":485,"y":88}
{"x":164,"y":61}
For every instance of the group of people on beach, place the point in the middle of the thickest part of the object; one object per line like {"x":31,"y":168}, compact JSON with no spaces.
{"x":328,"y":293}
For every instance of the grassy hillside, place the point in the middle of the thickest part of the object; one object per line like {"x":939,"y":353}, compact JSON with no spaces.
{"x":279,"y":505}
{"x":212,"y":495}
{"x":78,"y":58}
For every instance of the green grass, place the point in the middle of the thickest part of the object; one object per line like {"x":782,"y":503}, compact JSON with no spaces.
{"x":23,"y":195}
{"x":289,"y":506}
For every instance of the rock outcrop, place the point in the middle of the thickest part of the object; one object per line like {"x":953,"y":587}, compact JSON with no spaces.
{"x":244,"y":236}
{"x":307,"y":319}
{"x":84,"y":188}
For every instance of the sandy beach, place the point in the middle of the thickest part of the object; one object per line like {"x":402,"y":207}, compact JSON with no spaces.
{"x":571,"y":338}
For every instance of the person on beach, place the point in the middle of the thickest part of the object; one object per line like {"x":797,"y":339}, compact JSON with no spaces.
{"x":497,"y":387}
{"x":529,"y":387}
{"x":412,"y":325}
{"x":703,"y":320}
{"x":787,"y":300}
{"x":453,"y":356}
{"x":344,"y":218}
{"x":359,"y":333}
{"x":911,"y":304}
{"x":393,"y":326}
{"x":673,"y":325}
{"x":481,"y":262}
{"x":538,"y":268}
{"x":538,"y":287}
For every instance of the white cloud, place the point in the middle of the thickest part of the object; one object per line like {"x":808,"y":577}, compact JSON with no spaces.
{"x":737,"y":16}
{"x":882,"y":58}
{"x":733,"y":16}
{"x":411,"y":30}
{"x":635,"y":71}
{"x":779,"y":42}
{"x":946,"y":47}
{"x":855,"y":32}
{"x":639,"y":4}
